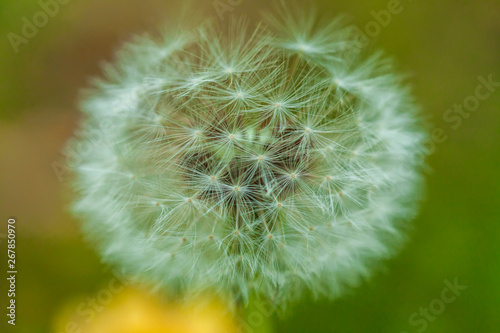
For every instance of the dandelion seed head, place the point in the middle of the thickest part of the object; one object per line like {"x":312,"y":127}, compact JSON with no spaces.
{"x":272,"y":160}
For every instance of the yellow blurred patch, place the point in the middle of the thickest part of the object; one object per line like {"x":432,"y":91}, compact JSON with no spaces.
{"x":132,"y":311}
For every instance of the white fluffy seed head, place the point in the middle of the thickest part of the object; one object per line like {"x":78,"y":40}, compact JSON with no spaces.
{"x":270,"y":160}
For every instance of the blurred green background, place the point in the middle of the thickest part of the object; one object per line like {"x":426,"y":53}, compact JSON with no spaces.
{"x":444,"y":46}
